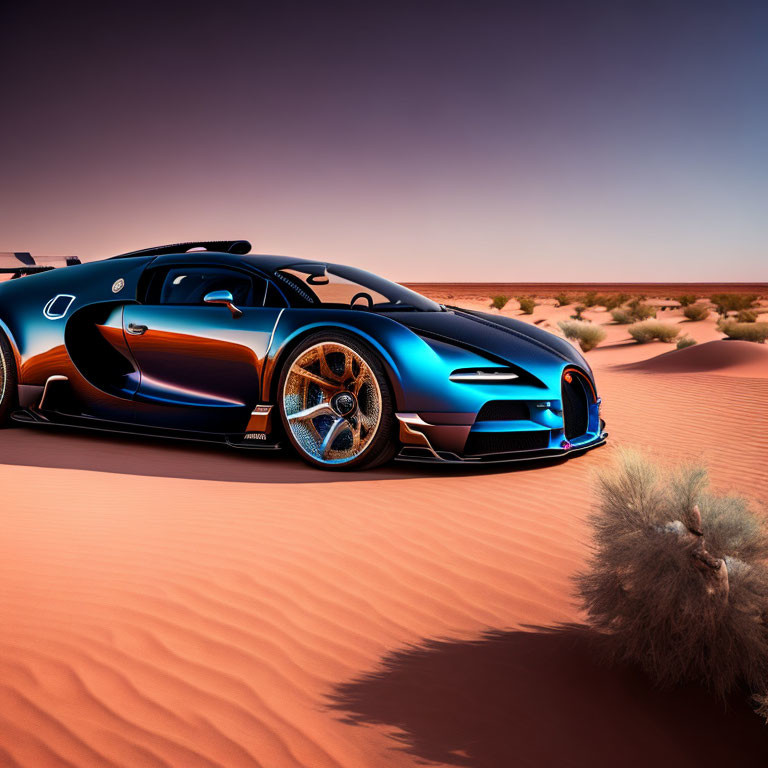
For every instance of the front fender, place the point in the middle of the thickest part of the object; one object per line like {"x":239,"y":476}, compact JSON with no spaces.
{"x":12,"y":341}
{"x":418,"y":368}
{"x":390,"y":340}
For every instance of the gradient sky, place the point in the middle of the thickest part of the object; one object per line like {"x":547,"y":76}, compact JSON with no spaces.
{"x":470,"y":140}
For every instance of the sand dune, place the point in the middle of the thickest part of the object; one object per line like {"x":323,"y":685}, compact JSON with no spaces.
{"x":165,"y":605}
{"x":727,"y":358}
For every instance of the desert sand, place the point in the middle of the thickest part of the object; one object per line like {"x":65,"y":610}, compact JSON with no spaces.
{"x":172,"y":605}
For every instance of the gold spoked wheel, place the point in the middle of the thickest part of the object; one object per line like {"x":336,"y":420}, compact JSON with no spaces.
{"x":332,"y":403}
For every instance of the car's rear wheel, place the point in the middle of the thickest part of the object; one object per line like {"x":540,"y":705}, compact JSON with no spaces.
{"x":8,"y":380}
{"x":336,"y":404}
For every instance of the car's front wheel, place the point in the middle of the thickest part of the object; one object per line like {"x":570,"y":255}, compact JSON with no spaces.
{"x":336,"y":404}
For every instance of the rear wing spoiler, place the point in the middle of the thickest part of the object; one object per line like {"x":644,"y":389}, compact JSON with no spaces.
{"x":239,"y":247}
{"x":21,"y":263}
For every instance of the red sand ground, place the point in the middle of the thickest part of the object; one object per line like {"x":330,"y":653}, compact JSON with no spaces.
{"x":166,"y":605}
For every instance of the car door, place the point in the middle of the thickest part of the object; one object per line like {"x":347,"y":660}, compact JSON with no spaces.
{"x":200,"y":364}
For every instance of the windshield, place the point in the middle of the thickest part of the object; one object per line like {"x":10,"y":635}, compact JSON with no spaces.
{"x":341,"y":287}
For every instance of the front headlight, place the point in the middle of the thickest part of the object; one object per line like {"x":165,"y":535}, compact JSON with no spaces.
{"x":484,"y":376}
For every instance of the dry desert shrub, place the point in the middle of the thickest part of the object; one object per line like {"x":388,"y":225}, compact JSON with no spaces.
{"x":622,"y":316}
{"x":634,"y":312}
{"x":685,"y":341}
{"x":696,"y":312}
{"x":641,"y":311}
{"x":563,"y":299}
{"x":686,"y":299}
{"x":747,"y":316}
{"x":677,"y":580}
{"x":500,"y":301}
{"x":579,"y":311}
{"x":527,"y":304}
{"x":744,"y":331}
{"x":649,"y":330}
{"x":587,"y":334}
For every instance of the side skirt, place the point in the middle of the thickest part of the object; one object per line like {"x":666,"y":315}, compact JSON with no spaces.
{"x":67,"y":421}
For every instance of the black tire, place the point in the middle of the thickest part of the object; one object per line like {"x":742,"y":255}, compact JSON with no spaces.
{"x":8,"y":380}
{"x":381,"y":444}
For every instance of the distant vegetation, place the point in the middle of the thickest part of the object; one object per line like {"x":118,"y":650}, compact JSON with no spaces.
{"x":563,"y":299}
{"x":652,"y":329}
{"x":732,"y":302}
{"x":685,"y":341}
{"x":609,"y":301}
{"x":678,"y":582}
{"x":696,"y":311}
{"x":587,"y":334}
{"x":744,"y":331}
{"x":614,"y":300}
{"x":527,"y":304}
{"x":686,"y":300}
{"x":500,"y":301}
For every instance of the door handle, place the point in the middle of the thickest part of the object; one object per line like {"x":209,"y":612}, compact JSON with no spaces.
{"x":136,"y":330}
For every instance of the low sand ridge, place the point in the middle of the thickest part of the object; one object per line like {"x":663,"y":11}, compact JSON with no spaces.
{"x":727,"y":358}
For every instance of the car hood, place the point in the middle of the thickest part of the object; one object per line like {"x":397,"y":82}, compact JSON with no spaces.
{"x":511,"y":340}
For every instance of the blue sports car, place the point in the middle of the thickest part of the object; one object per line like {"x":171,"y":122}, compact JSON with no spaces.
{"x":206,"y":341}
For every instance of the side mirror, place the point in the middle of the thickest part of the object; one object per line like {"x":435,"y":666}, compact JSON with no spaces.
{"x":225,"y":298}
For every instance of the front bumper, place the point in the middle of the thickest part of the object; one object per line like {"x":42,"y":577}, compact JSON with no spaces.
{"x":424,"y":441}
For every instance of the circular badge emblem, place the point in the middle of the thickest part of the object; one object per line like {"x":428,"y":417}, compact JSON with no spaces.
{"x":118,"y":285}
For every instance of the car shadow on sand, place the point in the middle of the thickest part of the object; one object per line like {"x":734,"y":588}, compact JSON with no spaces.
{"x":64,"y":448}
{"x":545,"y":697}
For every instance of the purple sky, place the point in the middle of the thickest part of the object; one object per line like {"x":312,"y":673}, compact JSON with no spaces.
{"x":424,"y":140}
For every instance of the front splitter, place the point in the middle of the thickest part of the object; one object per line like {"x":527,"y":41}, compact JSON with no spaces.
{"x":426,"y":456}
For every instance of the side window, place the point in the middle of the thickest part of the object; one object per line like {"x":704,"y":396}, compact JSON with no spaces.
{"x":187,"y":286}
{"x":273,"y":297}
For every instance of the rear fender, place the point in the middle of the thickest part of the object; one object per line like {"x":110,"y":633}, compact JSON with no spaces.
{"x":39,"y":341}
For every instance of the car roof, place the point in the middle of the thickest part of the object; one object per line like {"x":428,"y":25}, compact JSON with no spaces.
{"x":262,"y":261}
{"x":225,"y":251}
